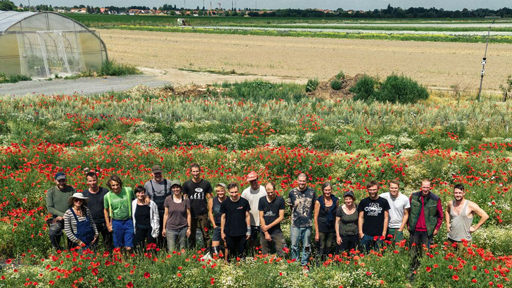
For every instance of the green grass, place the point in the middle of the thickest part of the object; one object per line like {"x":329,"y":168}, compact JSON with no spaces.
{"x":13,"y":78}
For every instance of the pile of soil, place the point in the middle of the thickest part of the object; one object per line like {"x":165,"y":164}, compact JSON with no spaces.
{"x":325,"y":91}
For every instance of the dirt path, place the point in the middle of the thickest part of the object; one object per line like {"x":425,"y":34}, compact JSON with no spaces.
{"x":433,"y":64}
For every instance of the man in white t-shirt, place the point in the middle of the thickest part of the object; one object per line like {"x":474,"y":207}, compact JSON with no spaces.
{"x":399,"y":210}
{"x":253,"y":195}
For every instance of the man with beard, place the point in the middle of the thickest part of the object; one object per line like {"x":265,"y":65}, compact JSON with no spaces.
{"x":373,"y":218}
{"x":57,"y":205}
{"x":158,"y":189}
{"x":459,"y":217}
{"x":271,"y":210}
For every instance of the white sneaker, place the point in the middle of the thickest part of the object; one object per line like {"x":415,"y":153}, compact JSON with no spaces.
{"x":207,"y":257}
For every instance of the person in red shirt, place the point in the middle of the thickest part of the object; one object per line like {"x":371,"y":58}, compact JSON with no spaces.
{"x":425,"y":219}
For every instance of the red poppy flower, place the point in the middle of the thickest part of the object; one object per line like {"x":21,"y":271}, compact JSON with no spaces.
{"x":455,"y":277}
{"x":147,"y":275}
{"x":428,"y":269}
{"x":129,"y":285}
{"x":179,"y":275}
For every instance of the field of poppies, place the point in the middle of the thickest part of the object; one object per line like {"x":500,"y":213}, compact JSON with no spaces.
{"x":276,"y":130}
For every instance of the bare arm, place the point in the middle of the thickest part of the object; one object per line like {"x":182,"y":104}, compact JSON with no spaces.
{"x":278,"y":220}
{"x":480,"y":212}
{"x":404,"y":221}
{"x":248,"y":222}
{"x":447,"y":215}
{"x":166,"y":215}
{"x":360,"y":222}
{"x":107,"y":220}
{"x":317,"y":211}
{"x":210,"y":212}
{"x":189,"y":222}
{"x":386,"y":221}
{"x":337,"y":229}
{"x":222,"y":225}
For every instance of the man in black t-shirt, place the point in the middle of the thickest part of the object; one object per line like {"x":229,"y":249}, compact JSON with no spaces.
{"x":271,"y":209}
{"x":235,"y":224}
{"x":373,"y":218}
{"x":199,"y":191}
{"x":96,"y":194}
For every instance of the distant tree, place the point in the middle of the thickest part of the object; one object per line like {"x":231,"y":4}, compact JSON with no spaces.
{"x":7,"y":5}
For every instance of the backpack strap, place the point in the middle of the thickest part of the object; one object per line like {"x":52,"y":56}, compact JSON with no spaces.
{"x":128,"y":200}
{"x":109,"y":204}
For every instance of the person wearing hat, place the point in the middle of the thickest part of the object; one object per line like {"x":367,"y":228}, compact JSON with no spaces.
{"x":57,"y":204}
{"x":399,"y":210}
{"x":346,"y":227}
{"x":78,"y":222}
{"x":253,"y":194}
{"x":158,"y":189}
{"x":146,"y":222}
{"x":177,"y":218}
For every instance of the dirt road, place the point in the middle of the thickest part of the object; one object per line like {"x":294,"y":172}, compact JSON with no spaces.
{"x":432,"y":64}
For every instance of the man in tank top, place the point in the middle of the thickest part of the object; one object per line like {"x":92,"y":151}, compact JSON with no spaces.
{"x":459,"y":217}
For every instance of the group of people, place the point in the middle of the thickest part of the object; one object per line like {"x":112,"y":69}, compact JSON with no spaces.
{"x":167,"y":212}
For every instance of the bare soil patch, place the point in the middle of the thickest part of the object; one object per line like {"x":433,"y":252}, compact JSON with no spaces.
{"x":430,"y":63}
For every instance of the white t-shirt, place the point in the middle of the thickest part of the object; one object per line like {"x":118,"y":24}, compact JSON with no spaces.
{"x":397,"y":208}
{"x":253,"y":196}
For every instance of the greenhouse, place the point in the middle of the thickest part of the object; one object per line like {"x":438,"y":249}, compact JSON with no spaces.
{"x":40,"y":45}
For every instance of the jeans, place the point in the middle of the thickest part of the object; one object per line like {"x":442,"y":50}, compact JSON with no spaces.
{"x":368,"y":243}
{"x":418,"y":239}
{"x":301,"y":235}
{"x":277,"y":238}
{"x":55,"y":230}
{"x":176,"y":236}
{"x":200,"y":221}
{"x":123,"y":233}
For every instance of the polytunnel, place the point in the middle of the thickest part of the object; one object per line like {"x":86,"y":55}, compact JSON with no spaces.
{"x":43,"y":44}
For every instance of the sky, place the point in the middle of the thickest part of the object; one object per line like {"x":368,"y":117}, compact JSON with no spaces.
{"x":284,"y":4}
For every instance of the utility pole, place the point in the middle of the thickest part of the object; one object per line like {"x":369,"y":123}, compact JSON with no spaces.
{"x":484,"y":61}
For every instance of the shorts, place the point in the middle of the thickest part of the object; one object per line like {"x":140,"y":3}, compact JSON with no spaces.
{"x":123,"y":233}
{"x":216,"y":234}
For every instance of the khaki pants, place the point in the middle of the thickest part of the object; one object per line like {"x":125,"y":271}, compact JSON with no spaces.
{"x":200,"y":221}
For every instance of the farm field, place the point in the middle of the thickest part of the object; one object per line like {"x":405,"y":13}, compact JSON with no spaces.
{"x":276,"y":130}
{"x":434,"y":64}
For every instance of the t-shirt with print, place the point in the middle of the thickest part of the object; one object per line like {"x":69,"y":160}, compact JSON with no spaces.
{"x":95,"y":204}
{"x":373,"y":215}
{"x":197,"y":194}
{"x":177,"y":213}
{"x":271,"y":211}
{"x":253,"y":197}
{"x":235,"y":224}
{"x":158,"y":192}
{"x":120,"y":203}
{"x":303,"y":203}
{"x":397,"y":208}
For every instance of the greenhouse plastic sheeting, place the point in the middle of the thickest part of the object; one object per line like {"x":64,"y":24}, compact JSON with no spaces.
{"x":44,"y":44}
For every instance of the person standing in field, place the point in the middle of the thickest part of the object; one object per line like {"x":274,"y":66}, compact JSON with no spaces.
{"x":373,"y":218}
{"x":177,"y":219}
{"x":146,"y":222}
{"x":325,"y":216}
{"x":302,"y":202}
{"x":235,"y":223}
{"x":271,"y":209}
{"x":459,"y":217}
{"x":347,"y":231}
{"x":57,"y":204}
{"x":158,"y":189}
{"x":96,"y":195}
{"x":199,"y":191}
{"x":253,"y":194}
{"x":425,"y":219}
{"x":117,"y":207}
{"x":78,"y":222}
{"x":399,"y":210}
{"x":215,"y":216}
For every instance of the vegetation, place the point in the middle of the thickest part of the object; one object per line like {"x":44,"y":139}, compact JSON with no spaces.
{"x":365,"y":88}
{"x":276,"y":130}
{"x":13,"y":78}
{"x":395,"y":89}
{"x":112,"y":68}
{"x":336,"y":84}
{"x":312,"y":84}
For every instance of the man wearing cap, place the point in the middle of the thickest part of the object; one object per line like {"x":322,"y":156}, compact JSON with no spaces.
{"x":57,"y":204}
{"x":399,"y":210}
{"x":253,"y":194}
{"x":158,"y":189}
{"x":96,"y":195}
{"x":199,"y":191}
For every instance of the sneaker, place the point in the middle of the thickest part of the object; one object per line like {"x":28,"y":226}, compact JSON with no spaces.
{"x":207,"y":257}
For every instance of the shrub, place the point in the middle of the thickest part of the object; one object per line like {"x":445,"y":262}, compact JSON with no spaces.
{"x":111,"y":68}
{"x":340,"y":76}
{"x":364,"y":88}
{"x":336,"y":84}
{"x":312,"y":85}
{"x":401,"y":89}
{"x":13,"y":78}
